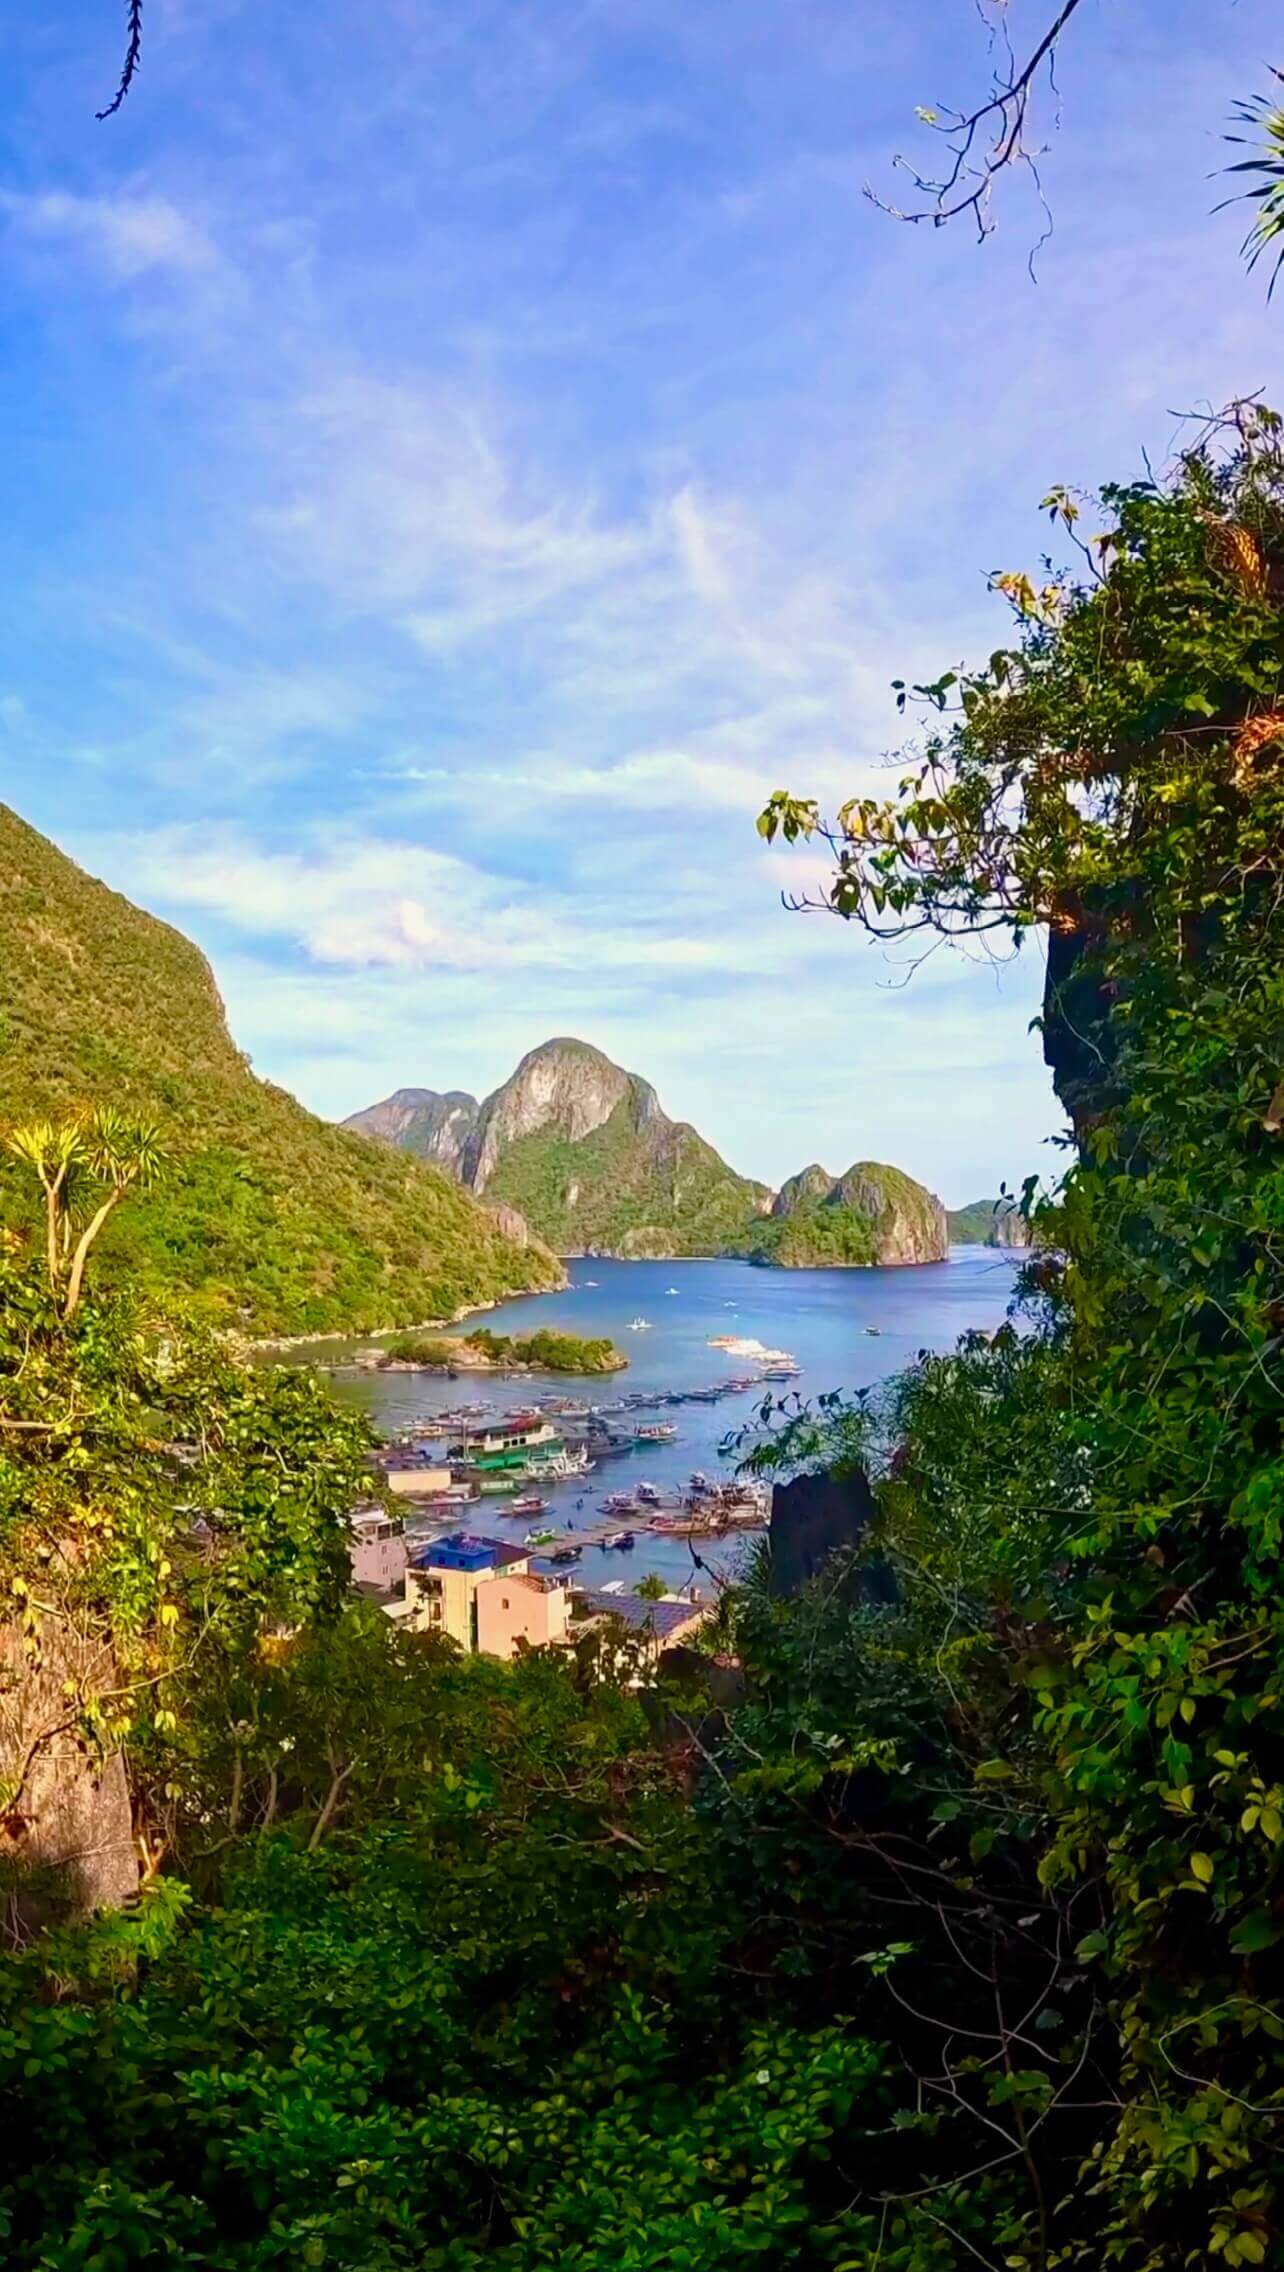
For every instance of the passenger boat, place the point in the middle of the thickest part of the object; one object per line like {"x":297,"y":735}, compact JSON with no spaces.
{"x":530,"y":1503}
{"x":639,"y":1325}
{"x":621,"y":1541}
{"x":657,"y":1432}
{"x":539,"y":1537}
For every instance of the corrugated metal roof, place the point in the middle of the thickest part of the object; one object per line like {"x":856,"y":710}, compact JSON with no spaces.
{"x":659,"y":1617}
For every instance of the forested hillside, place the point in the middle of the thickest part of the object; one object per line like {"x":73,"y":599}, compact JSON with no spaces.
{"x":273,"y":1220}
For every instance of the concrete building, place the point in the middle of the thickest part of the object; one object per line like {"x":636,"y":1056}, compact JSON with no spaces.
{"x":521,"y":1606}
{"x":484,"y":1596}
{"x":414,"y":1480}
{"x":379,"y":1552}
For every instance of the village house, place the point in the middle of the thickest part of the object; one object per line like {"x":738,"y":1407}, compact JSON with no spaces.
{"x":483,"y":1595}
{"x":378,"y":1552}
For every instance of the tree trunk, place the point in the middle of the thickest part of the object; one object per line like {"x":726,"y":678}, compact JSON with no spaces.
{"x":81,"y":1257}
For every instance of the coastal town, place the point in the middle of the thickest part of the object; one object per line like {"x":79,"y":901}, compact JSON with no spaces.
{"x":415,"y":1548}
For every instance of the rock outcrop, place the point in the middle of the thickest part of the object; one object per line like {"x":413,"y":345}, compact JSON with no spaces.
{"x":66,"y":1831}
{"x":433,"y":1127}
{"x":564,"y":1088}
{"x":870,"y":1216}
{"x":990,"y":1222}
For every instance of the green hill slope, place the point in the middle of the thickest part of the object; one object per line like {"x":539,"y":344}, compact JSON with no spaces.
{"x":275,"y":1221}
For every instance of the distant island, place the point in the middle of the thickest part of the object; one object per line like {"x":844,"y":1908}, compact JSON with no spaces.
{"x":871,"y":1216}
{"x":546,"y":1351}
{"x":990,"y":1222}
{"x":584,"y":1152}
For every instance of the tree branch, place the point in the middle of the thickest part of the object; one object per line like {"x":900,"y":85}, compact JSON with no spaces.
{"x":133,"y":57}
{"x":967,"y":185}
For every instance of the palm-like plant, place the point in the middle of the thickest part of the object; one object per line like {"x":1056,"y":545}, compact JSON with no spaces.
{"x":54,"y":1151}
{"x":73,"y":1160}
{"x":1264,"y":116}
{"x":652,"y":1587}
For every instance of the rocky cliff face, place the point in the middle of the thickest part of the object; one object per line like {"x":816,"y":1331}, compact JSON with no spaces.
{"x":434,"y":1127}
{"x":565,"y":1088}
{"x":809,"y":1187}
{"x":582,"y":1150}
{"x":990,"y":1222}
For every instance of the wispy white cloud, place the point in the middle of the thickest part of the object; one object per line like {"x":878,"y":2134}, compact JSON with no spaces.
{"x":130,"y":233}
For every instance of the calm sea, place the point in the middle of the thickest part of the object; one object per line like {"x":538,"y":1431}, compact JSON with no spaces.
{"x":822,"y":1317}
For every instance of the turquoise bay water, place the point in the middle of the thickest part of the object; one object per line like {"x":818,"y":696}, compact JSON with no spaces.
{"x":820,"y":1316}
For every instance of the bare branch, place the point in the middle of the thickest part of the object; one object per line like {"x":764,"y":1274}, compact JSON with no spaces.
{"x":982,"y":143}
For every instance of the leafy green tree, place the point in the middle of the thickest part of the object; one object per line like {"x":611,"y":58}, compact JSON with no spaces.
{"x":1115,"y":776}
{"x":162,"y":1507}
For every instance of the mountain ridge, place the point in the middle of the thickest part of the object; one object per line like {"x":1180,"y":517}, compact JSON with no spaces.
{"x":584,"y":1150}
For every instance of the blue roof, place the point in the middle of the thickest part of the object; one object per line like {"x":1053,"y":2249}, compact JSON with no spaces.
{"x":462,"y":1551}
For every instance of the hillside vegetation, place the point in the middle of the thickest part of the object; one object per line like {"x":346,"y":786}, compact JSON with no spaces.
{"x":272,"y":1220}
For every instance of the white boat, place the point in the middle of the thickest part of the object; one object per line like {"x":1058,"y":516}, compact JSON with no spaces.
{"x":670,"y":1289}
{"x":639,"y":1325}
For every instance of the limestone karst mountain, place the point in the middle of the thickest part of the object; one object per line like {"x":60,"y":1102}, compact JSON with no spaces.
{"x":584,"y":1150}
{"x":872,"y":1214}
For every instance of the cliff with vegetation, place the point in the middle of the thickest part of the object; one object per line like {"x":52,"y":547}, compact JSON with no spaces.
{"x":583,"y":1150}
{"x":990,"y":1222}
{"x":872,"y":1215}
{"x":269,"y":1219}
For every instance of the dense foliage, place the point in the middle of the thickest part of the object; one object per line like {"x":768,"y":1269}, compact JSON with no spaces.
{"x":271,"y":1219}
{"x":546,"y":1351}
{"x":550,"y":1351}
{"x":1118,"y":776}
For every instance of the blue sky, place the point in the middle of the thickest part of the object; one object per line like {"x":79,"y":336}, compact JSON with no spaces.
{"x":461,"y":459}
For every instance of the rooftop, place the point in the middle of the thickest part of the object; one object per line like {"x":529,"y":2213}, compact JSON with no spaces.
{"x":463,"y":1551}
{"x":659,"y":1617}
